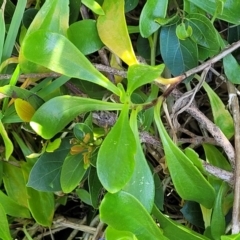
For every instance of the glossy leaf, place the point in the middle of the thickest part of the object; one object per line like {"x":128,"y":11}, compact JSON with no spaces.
{"x":72,"y":172}
{"x":56,"y":52}
{"x":46,"y":19}
{"x":204,"y":33}
{"x":118,"y":160}
{"x":140,"y":74}
{"x":119,"y":42}
{"x":152,"y":10}
{"x":12,"y":208}
{"x":179,"y":56}
{"x":222,"y":117}
{"x":4,"y":229}
{"x":231,"y":237}
{"x":113,"y":234}
{"x":124,"y":212}
{"x":24,"y":109}
{"x":7,"y":141}
{"x":84,"y":36}
{"x":47,"y":179}
{"x":130,"y":5}
{"x":231,"y":69}
{"x":230,"y":9}
{"x":94,"y":6}
{"x":218,"y":224}
{"x":175,"y":231}
{"x":55,"y":114}
{"x":141,"y":184}
{"x":187,"y":179}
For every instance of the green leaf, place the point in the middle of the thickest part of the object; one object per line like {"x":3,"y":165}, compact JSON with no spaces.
{"x":94,"y":6}
{"x":139,"y":75}
{"x":179,"y":56}
{"x":12,"y":208}
{"x":24,"y":94}
{"x":72,"y":172}
{"x":222,"y":117}
{"x":2,"y":32}
{"x":52,"y":146}
{"x":218,"y":224}
{"x":183,"y":31}
{"x":55,"y":114}
{"x":130,"y":5}
{"x":14,"y":183}
{"x":229,"y":12}
{"x":113,"y":234}
{"x":116,"y":156}
{"x":231,"y":69}
{"x":216,"y":158}
{"x":113,"y":24}
{"x":13,"y":30}
{"x":152,"y":10}
{"x":203,"y":33}
{"x":39,"y":200}
{"x":231,"y":237}
{"x":141,"y":184}
{"x":81,"y":130}
{"x":174,"y":230}
{"x":7,"y":141}
{"x":84,"y":196}
{"x":46,"y":19}
{"x":187,"y":179}
{"x":45,"y":174}
{"x":192,"y":213}
{"x":4,"y":229}
{"x":47,"y":48}
{"x":95,"y":187}
{"x":84,"y":36}
{"x":124,"y":212}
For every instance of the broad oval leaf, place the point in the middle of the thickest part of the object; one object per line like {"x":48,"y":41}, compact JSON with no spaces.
{"x":84,"y":35}
{"x":152,"y":10}
{"x":116,"y":156}
{"x":45,"y":174}
{"x":230,"y":11}
{"x":112,"y":233}
{"x":72,"y":172}
{"x":124,"y":212}
{"x":55,"y":114}
{"x":56,"y":52}
{"x":112,"y":30}
{"x":187,"y":179}
{"x":179,"y":56}
{"x":204,"y":33}
{"x":140,"y":74}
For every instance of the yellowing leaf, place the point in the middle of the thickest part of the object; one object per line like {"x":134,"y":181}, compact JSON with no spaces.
{"x":24,"y":109}
{"x":112,"y":30}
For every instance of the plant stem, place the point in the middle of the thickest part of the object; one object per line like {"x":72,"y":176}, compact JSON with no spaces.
{"x":233,"y":101}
